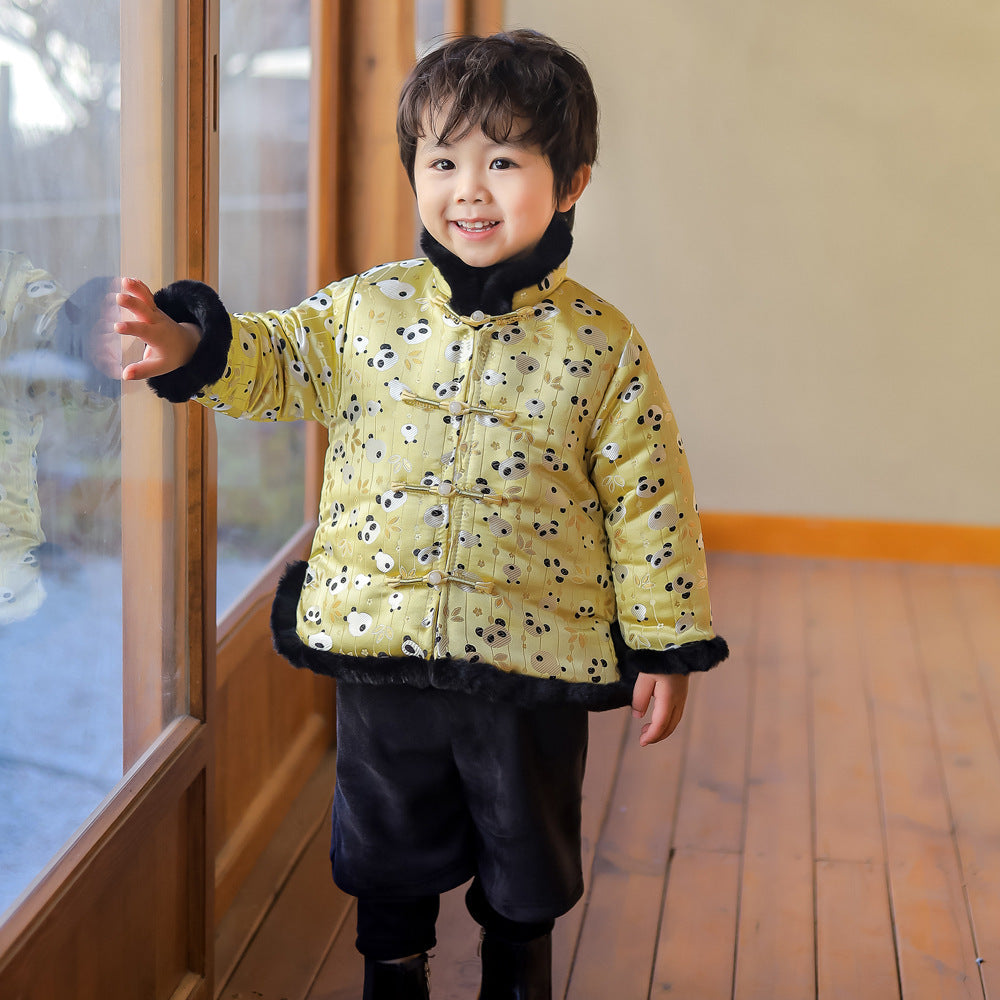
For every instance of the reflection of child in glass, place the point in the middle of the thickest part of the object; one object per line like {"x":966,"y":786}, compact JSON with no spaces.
{"x":55,"y":353}
{"x":508,"y":535}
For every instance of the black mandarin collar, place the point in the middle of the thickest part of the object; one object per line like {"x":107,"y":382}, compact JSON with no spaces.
{"x":492,"y":289}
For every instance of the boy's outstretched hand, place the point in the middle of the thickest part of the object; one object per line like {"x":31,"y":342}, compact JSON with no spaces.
{"x":669,"y":693}
{"x":169,"y":344}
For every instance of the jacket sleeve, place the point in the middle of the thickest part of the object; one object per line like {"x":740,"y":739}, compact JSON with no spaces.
{"x":275,"y":365}
{"x":638,"y":466}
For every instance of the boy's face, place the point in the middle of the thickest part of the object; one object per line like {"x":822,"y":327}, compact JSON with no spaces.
{"x":484,"y":201}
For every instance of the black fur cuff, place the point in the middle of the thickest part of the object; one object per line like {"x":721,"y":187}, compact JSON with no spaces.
{"x":194,"y":302}
{"x":688,"y":658}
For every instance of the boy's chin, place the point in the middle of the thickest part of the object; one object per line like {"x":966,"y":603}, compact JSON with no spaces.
{"x":488,"y":258}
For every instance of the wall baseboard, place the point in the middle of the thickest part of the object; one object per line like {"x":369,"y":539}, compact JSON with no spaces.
{"x":777,"y":534}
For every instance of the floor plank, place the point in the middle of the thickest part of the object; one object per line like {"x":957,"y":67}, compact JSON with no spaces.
{"x":933,"y":937}
{"x":264,"y":884}
{"x":847,"y":820}
{"x":854,"y":948}
{"x":694,"y":955}
{"x":713,"y":795}
{"x":608,"y":730}
{"x":299,"y":929}
{"x":968,"y":756}
{"x":775,"y":948}
{"x":854,"y":958}
{"x":626,"y":890}
{"x":455,"y":970}
{"x":977,"y":594}
{"x":341,"y":975}
{"x":695,"y":950}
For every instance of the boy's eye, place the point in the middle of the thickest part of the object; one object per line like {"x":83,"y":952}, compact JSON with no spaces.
{"x":442,"y":165}
{"x":501,"y":163}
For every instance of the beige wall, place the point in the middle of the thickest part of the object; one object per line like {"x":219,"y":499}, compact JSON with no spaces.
{"x":799,"y":206}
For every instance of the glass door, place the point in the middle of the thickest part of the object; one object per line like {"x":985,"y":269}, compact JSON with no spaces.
{"x":61,"y":728}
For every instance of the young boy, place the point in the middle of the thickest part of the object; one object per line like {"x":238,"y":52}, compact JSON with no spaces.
{"x":508,"y":535}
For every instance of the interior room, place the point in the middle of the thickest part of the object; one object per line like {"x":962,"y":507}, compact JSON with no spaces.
{"x":798,"y":206}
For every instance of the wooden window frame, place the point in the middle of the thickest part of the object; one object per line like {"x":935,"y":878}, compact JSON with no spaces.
{"x":53,"y":940}
{"x":473,"y":17}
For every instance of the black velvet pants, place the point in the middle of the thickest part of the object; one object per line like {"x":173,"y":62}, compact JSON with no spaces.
{"x":437,"y":787}
{"x":398,"y":928}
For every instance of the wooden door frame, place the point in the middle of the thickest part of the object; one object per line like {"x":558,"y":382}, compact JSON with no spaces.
{"x":473,"y":17}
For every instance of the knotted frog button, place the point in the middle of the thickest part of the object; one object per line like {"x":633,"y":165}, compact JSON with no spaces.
{"x":478,"y":316}
{"x":445,"y":489}
{"x":434,"y":577}
{"x":455,"y":407}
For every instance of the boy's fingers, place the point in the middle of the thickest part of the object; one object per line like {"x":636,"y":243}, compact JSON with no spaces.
{"x":661,"y":725}
{"x":143,"y":309}
{"x":140,"y":289}
{"x":669,"y":693}
{"x":642,"y":692}
{"x":146,"y":368}
{"x":134,"y":329}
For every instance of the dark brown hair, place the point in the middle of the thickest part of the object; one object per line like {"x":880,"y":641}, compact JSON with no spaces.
{"x":500,"y":83}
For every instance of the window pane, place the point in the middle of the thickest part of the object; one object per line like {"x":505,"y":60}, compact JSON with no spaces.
{"x":263,"y":153}
{"x":60,"y":437}
{"x":74,"y":710}
{"x":429,"y":24}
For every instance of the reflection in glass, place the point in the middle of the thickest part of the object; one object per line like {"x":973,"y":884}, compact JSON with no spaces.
{"x":263,"y":153}
{"x":60,"y":469}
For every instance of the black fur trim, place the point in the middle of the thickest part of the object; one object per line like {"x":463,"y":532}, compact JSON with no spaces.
{"x":689,"y":658}
{"x":451,"y":674}
{"x":194,"y":302}
{"x":492,"y":289}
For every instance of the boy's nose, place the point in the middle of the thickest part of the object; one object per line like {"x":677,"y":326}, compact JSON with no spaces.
{"x":470,"y":189}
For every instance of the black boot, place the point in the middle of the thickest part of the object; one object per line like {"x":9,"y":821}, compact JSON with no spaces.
{"x":516,"y":970}
{"x":406,"y":980}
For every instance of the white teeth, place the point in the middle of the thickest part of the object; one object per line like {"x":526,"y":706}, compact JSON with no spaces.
{"x":475,"y":225}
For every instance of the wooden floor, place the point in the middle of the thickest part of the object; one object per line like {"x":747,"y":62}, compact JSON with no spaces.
{"x":825,"y":822}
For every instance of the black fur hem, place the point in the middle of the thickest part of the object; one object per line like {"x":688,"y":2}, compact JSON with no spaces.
{"x":492,"y":289}
{"x":481,"y":679}
{"x":194,"y":302}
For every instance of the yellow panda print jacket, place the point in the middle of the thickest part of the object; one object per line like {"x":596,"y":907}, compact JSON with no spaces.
{"x":506,"y":509}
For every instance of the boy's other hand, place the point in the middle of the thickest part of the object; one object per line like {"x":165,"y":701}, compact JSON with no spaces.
{"x":169,"y":344}
{"x":669,"y":693}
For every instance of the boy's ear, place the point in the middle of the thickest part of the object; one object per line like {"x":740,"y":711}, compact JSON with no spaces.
{"x":580,"y":181}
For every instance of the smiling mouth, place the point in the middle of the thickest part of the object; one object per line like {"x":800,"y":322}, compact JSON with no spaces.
{"x":475,"y":227}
